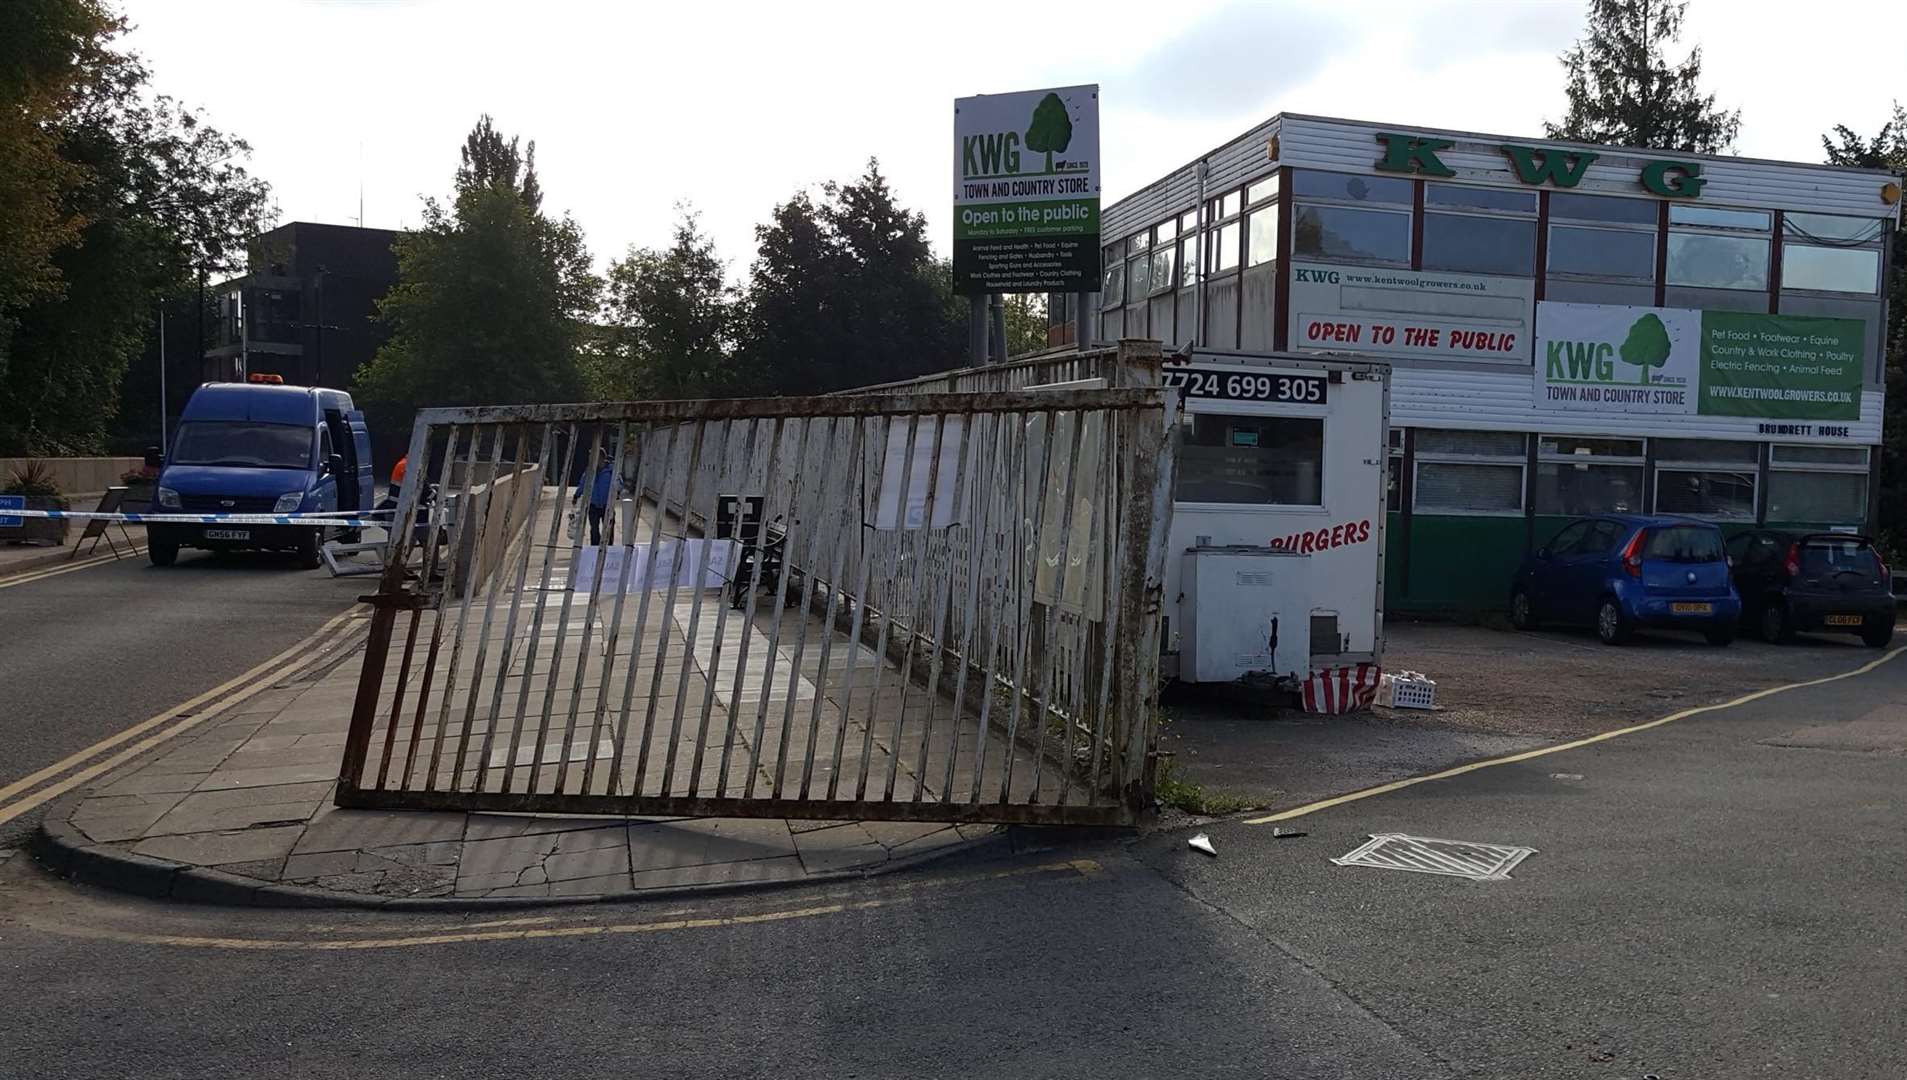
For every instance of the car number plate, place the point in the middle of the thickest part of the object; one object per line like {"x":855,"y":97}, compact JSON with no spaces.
{"x":1692,"y":609}
{"x":228,"y":534}
{"x":1844,"y":620}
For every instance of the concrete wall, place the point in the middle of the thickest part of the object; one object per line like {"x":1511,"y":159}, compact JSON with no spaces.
{"x":76,"y":474}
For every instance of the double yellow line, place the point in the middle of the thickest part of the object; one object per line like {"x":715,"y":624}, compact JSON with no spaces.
{"x":26,"y":793}
{"x":27,"y":577}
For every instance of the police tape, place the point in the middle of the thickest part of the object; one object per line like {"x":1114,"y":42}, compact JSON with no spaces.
{"x":312,"y":518}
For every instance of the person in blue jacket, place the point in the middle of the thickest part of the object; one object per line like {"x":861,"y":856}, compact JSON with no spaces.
{"x":605,"y":480}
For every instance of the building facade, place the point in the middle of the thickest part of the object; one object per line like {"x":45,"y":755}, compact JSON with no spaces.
{"x":305,"y":308}
{"x":1574,"y":329}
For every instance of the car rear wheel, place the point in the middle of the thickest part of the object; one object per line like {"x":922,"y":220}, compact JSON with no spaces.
{"x":1612,"y":626}
{"x":1522,"y":616}
{"x":1877,"y":638}
{"x":1723,"y":634}
{"x":1775,"y":627}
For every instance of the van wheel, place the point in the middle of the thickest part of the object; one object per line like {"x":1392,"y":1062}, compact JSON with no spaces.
{"x":308,"y":557}
{"x":1522,"y":616}
{"x":162,"y":552}
{"x":1775,"y":627}
{"x":1612,"y":626}
{"x":1878,"y":638}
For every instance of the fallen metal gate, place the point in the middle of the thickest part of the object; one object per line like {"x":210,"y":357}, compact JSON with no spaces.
{"x":946,"y":608}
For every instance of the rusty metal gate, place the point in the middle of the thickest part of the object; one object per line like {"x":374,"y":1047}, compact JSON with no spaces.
{"x":915,"y":607}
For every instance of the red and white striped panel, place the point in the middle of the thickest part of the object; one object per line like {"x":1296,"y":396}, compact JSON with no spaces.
{"x":1334,"y":691}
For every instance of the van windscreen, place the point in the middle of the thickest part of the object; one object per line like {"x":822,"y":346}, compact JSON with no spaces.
{"x":1684,"y":544}
{"x":243,"y":443}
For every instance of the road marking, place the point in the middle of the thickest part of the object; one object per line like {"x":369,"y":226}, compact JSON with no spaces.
{"x":27,"y":577}
{"x":297,"y":657}
{"x":501,"y":931}
{"x":1541,"y":751}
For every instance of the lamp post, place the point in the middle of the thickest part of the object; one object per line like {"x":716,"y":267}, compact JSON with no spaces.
{"x":162,"y":373}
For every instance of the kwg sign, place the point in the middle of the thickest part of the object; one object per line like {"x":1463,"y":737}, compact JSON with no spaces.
{"x":1535,"y":165}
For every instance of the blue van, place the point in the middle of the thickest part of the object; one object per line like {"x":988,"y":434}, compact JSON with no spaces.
{"x":260,"y":447}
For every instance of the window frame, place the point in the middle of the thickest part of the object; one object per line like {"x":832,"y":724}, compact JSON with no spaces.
{"x":1298,"y":207}
{"x":1549,"y":252}
{"x":1445,"y":457}
{"x":1638,"y":461}
{"x":1264,"y":411}
{"x":1679,"y":466}
{"x":1489,"y":215}
{"x":1862,"y":469}
{"x":1764,"y":233}
{"x":1880,"y":261}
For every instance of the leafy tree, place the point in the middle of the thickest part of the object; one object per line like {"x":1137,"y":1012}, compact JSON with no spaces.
{"x":1051,"y":130}
{"x":1887,"y":150}
{"x":1646,"y":346}
{"x":493,"y":296}
{"x":160,"y":197}
{"x":846,"y":292}
{"x":1623,"y":89}
{"x":673,"y":320}
{"x":1025,"y":323}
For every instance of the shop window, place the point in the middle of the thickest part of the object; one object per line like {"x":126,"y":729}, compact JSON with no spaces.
{"x":1263,"y":460}
{"x":1832,"y":228}
{"x":1139,"y":277}
{"x":1826,"y":269}
{"x":1162,"y":260}
{"x":1225,"y":251}
{"x":1817,"y":484}
{"x":1708,"y":478}
{"x":1705,"y":450}
{"x":1140,"y":241}
{"x":1350,"y":187}
{"x":1623,"y":254}
{"x":1262,"y":191}
{"x":1188,"y":258}
{"x":1228,"y":204}
{"x":1473,"y":244}
{"x":1261,"y":236}
{"x":1469,"y":472}
{"x":1339,"y":232}
{"x":1166,"y":231}
{"x":1188,"y":222}
{"x":1588,"y":476}
{"x":1480,"y":198}
{"x":1716,"y":217}
{"x":1712,"y":261}
{"x":1602,"y":208}
{"x":1112,"y":291}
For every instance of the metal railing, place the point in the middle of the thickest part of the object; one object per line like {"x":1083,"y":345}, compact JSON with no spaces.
{"x":947,"y":609}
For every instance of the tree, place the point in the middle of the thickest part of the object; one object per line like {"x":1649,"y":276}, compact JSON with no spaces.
{"x":1623,"y":90}
{"x":846,"y":292}
{"x":1887,"y":150}
{"x":156,"y":196}
{"x":1025,"y":323}
{"x":1646,"y":346}
{"x":493,"y":296}
{"x":673,"y":320}
{"x":1051,"y":130}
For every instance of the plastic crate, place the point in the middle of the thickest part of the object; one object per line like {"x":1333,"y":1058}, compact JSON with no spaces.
{"x":1407,"y":690}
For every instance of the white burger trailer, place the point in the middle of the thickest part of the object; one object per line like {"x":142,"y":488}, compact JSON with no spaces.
{"x":1275,"y":569}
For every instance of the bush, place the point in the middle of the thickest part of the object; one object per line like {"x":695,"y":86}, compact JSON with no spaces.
{"x":34,"y":479}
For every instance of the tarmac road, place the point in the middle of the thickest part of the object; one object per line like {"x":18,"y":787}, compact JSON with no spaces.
{"x":89,"y":653}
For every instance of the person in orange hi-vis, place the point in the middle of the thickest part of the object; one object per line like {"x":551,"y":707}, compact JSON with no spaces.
{"x":397,"y":472}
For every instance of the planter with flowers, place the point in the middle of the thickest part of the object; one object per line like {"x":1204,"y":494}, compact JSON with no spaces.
{"x":35,"y":481}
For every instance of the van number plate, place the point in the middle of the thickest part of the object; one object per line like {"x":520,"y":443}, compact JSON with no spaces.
{"x":1235,"y":384}
{"x":228,"y":534}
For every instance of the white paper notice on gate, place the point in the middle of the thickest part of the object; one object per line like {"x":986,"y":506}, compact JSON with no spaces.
{"x":677,"y":562}
{"x":914,"y":473}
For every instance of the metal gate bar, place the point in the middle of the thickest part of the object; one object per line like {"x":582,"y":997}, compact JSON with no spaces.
{"x":947,"y":610}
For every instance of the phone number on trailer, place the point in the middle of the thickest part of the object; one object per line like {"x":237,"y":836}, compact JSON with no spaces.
{"x":1245,"y":386}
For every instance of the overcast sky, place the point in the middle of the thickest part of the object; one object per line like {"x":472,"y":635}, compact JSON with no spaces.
{"x":733,"y":106}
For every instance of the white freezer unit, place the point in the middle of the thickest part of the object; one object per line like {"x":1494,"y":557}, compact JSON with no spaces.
{"x":1247,"y":612}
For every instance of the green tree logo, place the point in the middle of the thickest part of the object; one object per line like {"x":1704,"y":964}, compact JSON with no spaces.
{"x":1647,"y":345}
{"x":1051,"y":130}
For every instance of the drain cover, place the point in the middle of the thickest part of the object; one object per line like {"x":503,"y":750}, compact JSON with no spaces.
{"x":1427,"y":855}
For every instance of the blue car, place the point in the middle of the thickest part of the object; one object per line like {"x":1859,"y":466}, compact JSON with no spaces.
{"x":1618,"y":572}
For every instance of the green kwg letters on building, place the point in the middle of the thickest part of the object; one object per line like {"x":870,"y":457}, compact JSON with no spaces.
{"x":1673,"y":178}
{"x":1559,"y":167}
{"x":1409,"y":154}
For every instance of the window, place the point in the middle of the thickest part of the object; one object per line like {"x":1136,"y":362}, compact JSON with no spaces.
{"x":1695,"y":477}
{"x":1718,"y":260}
{"x":1225,"y":254}
{"x":1832,"y":228}
{"x":1112,"y":292}
{"x":1311,"y":183}
{"x":1713,"y":261}
{"x":1188,"y":222}
{"x":1167,"y":231}
{"x":1683,"y":544}
{"x":1825,"y":269}
{"x":1603,"y":208}
{"x":1565,"y":541}
{"x":1228,"y":204}
{"x":1139,"y":277}
{"x":1469,"y":472}
{"x":1140,"y":241}
{"x":1473,"y":244}
{"x":1588,"y":476}
{"x":1625,"y":254}
{"x":1261,"y":236}
{"x":1480,"y":198}
{"x":1817,"y":484}
{"x":1821,"y":556}
{"x":1262,"y":190}
{"x":1335,"y":232}
{"x":1268,"y":460}
{"x":242,"y":443}
{"x":1603,"y":536}
{"x":1162,"y":259}
{"x":1188,"y":258}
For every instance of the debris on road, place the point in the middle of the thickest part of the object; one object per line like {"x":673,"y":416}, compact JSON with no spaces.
{"x":1565,"y":776}
{"x":1278,"y":833}
{"x":1202,"y":842}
